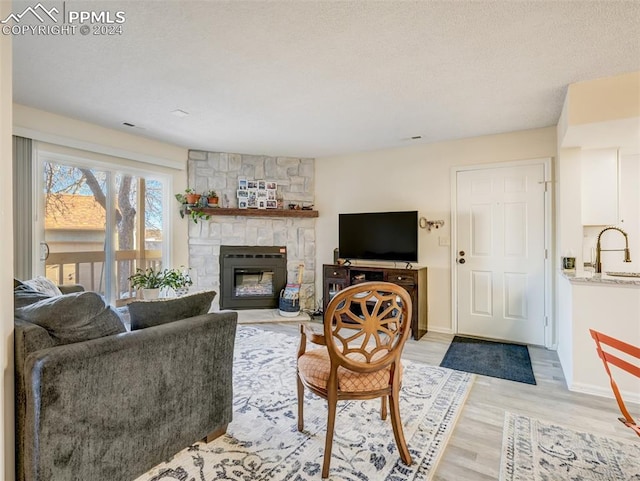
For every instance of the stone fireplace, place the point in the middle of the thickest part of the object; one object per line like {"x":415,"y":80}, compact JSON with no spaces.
{"x":220,"y":172}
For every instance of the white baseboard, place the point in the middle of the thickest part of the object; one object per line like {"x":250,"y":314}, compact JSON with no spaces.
{"x":628,"y":396}
{"x":441,"y":330}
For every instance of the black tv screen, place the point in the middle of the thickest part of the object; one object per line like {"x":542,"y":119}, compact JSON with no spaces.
{"x":382,"y":236}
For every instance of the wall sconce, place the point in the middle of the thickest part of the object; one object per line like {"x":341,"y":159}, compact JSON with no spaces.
{"x":428,"y":224}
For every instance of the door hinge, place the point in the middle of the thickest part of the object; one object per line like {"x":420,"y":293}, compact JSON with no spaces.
{"x":546,"y":254}
{"x":546,"y":321}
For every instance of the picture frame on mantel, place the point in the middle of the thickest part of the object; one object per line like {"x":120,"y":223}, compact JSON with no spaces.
{"x":257,"y":194}
{"x":252,"y":201}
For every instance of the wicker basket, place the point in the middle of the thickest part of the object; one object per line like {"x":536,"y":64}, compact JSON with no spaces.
{"x":289,"y":307}
{"x":290,"y":297}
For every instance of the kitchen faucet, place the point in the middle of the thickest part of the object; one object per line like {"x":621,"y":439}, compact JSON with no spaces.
{"x":599,"y":249}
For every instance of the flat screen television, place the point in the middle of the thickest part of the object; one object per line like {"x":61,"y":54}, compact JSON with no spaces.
{"x":381,"y":236}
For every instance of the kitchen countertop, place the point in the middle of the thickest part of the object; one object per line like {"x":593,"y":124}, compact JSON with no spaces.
{"x":592,"y":278}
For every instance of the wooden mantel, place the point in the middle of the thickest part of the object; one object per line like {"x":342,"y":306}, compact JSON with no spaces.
{"x":213,"y":211}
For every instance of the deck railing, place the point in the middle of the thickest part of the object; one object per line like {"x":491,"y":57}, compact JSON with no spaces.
{"x":87,"y":268}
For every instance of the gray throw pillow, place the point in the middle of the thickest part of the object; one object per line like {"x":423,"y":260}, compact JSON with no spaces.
{"x":75,"y":317}
{"x":160,"y":311}
{"x":24,"y":295}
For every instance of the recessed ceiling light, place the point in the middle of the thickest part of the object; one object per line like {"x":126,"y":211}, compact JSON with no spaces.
{"x":180,"y":113}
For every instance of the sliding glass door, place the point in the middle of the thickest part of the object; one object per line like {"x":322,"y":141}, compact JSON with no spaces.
{"x":99,"y":225}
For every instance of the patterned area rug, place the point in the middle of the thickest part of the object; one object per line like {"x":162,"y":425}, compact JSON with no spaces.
{"x":263,"y":443}
{"x":536,"y":450}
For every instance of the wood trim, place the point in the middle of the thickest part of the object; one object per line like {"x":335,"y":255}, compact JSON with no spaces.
{"x":141,"y":221}
{"x":215,"y":434}
{"x":214,"y":211}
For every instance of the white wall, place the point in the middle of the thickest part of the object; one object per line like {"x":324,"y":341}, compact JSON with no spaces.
{"x":146,"y":154}
{"x":413,"y":178}
{"x":568,"y":238}
{"x":564,"y":326}
{"x":6,"y":247}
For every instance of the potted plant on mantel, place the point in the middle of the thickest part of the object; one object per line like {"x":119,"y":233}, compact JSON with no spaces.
{"x":191,"y":208}
{"x":191,"y":197}
{"x":212,"y":198}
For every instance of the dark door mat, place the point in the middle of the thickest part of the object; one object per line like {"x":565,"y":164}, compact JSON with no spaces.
{"x":490,"y":358}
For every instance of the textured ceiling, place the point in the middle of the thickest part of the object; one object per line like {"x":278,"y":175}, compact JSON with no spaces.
{"x":323,"y":78}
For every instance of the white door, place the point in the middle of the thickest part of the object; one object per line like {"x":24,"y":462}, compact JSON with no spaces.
{"x":500,"y":253}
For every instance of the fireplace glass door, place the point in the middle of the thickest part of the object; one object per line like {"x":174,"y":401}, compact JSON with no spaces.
{"x":251,"y":277}
{"x":253,"y":283}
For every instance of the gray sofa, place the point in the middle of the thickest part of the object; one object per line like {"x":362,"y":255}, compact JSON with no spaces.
{"x":113,"y":407}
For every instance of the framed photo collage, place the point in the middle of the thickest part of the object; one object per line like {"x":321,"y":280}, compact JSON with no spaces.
{"x":257,"y":194}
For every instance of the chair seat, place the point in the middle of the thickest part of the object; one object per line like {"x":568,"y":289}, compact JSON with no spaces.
{"x":315,"y":365}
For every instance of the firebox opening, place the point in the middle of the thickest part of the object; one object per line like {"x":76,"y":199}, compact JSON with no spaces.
{"x":251,"y":277}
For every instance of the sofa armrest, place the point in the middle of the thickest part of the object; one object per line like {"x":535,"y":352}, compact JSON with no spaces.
{"x":27,"y":338}
{"x":112,"y":408}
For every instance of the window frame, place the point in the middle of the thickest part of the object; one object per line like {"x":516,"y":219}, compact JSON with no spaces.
{"x":43,"y":152}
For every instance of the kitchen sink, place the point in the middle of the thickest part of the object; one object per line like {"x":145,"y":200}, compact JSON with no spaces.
{"x":623,"y":274}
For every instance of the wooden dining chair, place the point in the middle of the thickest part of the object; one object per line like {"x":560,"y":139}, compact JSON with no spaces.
{"x":365,"y":328}
{"x":631,"y":352}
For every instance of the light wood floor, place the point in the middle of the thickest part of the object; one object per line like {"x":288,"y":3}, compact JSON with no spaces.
{"x":473,"y":451}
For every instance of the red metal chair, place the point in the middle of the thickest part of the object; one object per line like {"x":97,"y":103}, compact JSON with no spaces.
{"x":609,"y":358}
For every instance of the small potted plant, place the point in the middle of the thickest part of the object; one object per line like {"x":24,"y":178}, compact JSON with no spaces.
{"x":178,"y":280}
{"x":149,"y":281}
{"x":212,"y":197}
{"x":191,"y":208}
{"x":189,"y":196}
